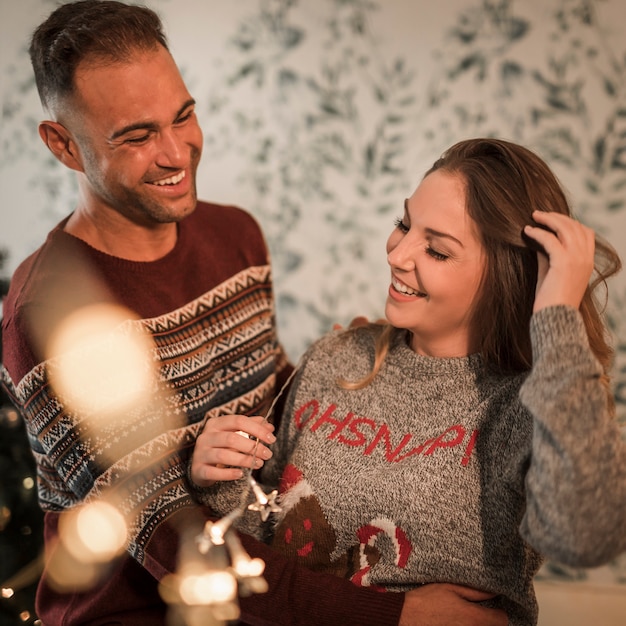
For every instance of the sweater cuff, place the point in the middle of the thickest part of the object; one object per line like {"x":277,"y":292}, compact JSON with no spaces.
{"x":221,"y":497}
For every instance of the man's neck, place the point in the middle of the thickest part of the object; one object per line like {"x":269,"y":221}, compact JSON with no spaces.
{"x":123,"y":239}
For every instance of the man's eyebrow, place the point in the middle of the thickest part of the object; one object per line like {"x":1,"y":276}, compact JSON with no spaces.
{"x":431,"y":231}
{"x":149,"y":125}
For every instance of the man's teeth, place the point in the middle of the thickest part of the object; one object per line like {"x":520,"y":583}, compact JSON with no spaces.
{"x":172,"y":180}
{"x":402,"y":288}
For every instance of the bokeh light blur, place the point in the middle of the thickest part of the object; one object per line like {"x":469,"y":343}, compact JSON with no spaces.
{"x":90,"y":538}
{"x":104,"y":372}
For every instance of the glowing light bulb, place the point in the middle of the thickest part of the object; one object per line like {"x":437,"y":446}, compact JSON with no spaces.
{"x":95,"y":533}
{"x":249,"y":567}
{"x":211,"y":587}
{"x":90,"y":538}
{"x":104,"y":365}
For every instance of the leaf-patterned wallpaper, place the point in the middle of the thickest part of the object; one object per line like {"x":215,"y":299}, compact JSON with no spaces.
{"x":320,"y":118}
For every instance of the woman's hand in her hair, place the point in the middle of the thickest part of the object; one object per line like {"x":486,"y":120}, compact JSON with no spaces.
{"x":567,"y":265}
{"x":227,"y":444}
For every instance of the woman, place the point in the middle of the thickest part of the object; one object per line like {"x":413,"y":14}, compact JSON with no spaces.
{"x":474,"y":433}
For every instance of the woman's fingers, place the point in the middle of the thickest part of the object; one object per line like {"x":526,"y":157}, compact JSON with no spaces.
{"x":569,"y":251}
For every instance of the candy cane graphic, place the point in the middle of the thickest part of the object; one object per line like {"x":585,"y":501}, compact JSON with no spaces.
{"x":368,"y":536}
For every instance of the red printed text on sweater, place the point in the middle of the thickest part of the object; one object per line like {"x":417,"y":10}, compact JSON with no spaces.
{"x":359,"y":431}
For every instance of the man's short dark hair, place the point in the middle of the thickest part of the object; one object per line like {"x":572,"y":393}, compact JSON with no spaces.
{"x":102,"y":31}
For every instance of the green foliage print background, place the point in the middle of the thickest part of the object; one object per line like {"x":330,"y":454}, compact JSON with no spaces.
{"x":321,"y":117}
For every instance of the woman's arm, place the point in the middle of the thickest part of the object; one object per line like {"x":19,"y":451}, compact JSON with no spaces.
{"x":576,"y":481}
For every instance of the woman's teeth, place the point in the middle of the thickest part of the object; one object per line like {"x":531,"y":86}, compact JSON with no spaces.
{"x":172,"y":180}
{"x":402,"y":288}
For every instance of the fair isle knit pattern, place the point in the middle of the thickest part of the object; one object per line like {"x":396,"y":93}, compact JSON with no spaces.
{"x":225,"y":369}
{"x":220,"y":344}
{"x":215,"y":354}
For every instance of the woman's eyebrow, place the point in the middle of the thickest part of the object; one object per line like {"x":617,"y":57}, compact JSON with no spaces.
{"x":436,"y":233}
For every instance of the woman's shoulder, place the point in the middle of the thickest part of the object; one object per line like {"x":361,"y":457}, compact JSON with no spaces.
{"x":359,"y":338}
{"x":346,"y":349}
{"x":340,"y":354}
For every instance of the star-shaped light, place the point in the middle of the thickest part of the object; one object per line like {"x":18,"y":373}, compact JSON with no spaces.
{"x":264,"y":503}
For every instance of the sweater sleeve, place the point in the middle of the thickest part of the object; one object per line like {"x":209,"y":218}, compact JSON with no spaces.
{"x":298,"y":596}
{"x":576,"y":481}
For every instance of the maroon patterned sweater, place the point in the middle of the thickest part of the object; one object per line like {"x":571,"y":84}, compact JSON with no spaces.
{"x":208,"y":306}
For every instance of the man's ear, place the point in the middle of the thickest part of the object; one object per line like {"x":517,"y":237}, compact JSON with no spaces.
{"x":61,"y":144}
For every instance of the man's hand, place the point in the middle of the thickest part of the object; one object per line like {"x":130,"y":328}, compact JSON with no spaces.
{"x":443,"y":604}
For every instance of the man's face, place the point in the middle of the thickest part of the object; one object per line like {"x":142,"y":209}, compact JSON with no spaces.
{"x":138,"y":138}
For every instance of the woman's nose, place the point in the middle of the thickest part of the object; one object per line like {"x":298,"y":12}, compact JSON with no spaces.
{"x":401,"y":252}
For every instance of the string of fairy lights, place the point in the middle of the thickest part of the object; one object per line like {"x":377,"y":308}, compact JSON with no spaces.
{"x":210,"y":591}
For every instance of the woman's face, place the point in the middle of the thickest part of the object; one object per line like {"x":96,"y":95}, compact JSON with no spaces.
{"x":436,"y":262}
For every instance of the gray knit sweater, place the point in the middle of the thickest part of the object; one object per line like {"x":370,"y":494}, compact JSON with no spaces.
{"x":440,"y":472}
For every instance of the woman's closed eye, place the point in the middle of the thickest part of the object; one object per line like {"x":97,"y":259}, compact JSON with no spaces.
{"x":439,"y":256}
{"x":435,"y":254}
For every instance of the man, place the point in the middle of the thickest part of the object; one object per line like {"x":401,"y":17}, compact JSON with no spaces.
{"x":196,"y":277}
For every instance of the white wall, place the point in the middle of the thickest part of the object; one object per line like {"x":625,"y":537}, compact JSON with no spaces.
{"x":575,"y":604}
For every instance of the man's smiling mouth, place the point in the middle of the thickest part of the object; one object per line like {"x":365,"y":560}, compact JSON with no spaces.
{"x":172,"y":180}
